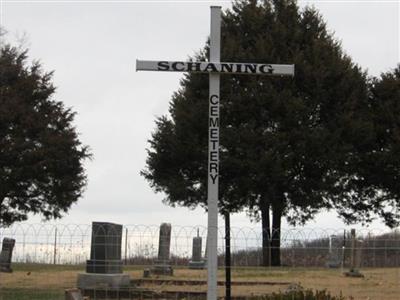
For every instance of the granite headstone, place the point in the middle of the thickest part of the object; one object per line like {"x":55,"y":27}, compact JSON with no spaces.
{"x":162,"y":265}
{"x":6,"y":255}
{"x":355,"y":257}
{"x":197,"y":262}
{"x":105,"y":251}
{"x":334,"y":252}
{"x":104,"y":268}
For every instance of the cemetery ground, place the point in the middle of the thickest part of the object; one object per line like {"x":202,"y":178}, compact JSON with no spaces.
{"x":48,"y":282}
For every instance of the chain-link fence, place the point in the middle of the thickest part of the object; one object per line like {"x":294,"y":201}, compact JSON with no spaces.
{"x":47,"y":259}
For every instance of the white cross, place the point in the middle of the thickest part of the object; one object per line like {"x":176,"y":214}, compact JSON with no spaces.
{"x":214,"y":67}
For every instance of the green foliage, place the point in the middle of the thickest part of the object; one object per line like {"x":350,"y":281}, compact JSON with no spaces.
{"x":326,"y":139}
{"x":281,"y":138}
{"x":373,"y":165}
{"x":41,"y":158}
{"x":292,"y":129}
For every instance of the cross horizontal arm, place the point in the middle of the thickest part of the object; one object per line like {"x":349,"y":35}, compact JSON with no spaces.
{"x":215,"y":67}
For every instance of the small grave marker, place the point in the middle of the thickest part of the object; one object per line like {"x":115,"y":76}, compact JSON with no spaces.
{"x":197,"y":262}
{"x":333,"y":255}
{"x":354,"y":257}
{"x":163,"y":264}
{"x":6,"y":255}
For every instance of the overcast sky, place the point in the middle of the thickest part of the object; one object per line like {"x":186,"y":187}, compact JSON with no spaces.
{"x":92,"y":47}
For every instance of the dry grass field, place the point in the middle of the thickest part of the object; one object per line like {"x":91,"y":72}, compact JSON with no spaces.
{"x":48,"y":282}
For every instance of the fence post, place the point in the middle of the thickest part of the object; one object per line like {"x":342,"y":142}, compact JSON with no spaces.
{"x":126,"y":246}
{"x":373,"y":253}
{"x":227,"y":257}
{"x":353,"y":251}
{"x":55,"y":247}
{"x":386,"y":248}
{"x":23,"y":248}
{"x":343,"y":249}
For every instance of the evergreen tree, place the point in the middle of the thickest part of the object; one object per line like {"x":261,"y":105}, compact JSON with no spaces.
{"x":372,"y":169}
{"x":287,"y":145}
{"x":41,"y":158}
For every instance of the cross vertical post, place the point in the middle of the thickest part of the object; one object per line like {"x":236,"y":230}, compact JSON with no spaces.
{"x":214,"y":67}
{"x":213,"y":156}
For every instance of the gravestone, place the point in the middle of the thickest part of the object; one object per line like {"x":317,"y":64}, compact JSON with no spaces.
{"x":6,"y":255}
{"x":197,"y":262}
{"x":355,"y":257}
{"x":105,"y":251}
{"x":104,"y":268}
{"x":334,"y":252}
{"x":162,"y":265}
{"x":146,"y":273}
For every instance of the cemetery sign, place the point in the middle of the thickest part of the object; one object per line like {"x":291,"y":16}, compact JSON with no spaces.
{"x":214,"y":67}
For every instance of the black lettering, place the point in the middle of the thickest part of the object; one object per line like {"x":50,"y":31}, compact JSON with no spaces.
{"x":227,"y":68}
{"x":214,"y":99}
{"x":214,"y":122}
{"x":175,"y":66}
{"x":250,"y":67}
{"x":214,"y":156}
{"x":193,"y":66}
{"x":210,"y":68}
{"x":213,"y":167}
{"x":266,"y":69}
{"x":214,"y":111}
{"x":214,"y":144}
{"x":213,"y":177}
{"x":198,"y":67}
{"x":239,"y":68}
{"x":213,"y":133}
{"x":163,"y":66}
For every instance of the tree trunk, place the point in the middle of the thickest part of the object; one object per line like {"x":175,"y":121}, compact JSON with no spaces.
{"x":266,"y":232}
{"x":276,"y":237}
